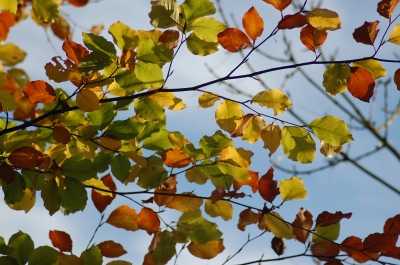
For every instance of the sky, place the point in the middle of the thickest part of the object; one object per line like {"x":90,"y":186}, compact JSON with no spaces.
{"x":340,"y":188}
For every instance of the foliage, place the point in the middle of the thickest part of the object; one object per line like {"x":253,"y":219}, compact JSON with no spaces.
{"x":59,"y":143}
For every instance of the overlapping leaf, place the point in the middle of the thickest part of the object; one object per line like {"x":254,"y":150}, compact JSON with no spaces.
{"x":367,"y":32}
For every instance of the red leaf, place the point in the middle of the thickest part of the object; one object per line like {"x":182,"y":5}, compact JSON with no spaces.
{"x":386,"y":7}
{"x":325,"y":249}
{"x":233,"y":39}
{"x":252,"y":182}
{"x":267,"y":187}
{"x":110,"y":249}
{"x":7,"y":173}
{"x":278,"y":245}
{"x":61,"y":240}
{"x":396,"y":78}
{"x":7,"y":20}
{"x":378,"y":242}
{"x":293,"y":21}
{"x":353,"y":246}
{"x":100,"y":201}
{"x":392,"y":225}
{"x":393,"y":252}
{"x":366,"y":33}
{"x":78,"y":3}
{"x":61,"y":134}
{"x":326,"y":219}
{"x":25,"y":157}
{"x":74,"y":51}
{"x":312,"y":38}
{"x":301,"y":224}
{"x":361,"y":83}
{"x":253,"y":24}
{"x":39,"y":92}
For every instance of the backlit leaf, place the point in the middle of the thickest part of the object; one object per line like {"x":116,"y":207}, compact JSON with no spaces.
{"x":40,"y":91}
{"x":120,"y":167}
{"x":245,"y":122}
{"x":10,"y":5}
{"x":50,"y":196}
{"x":149,"y":73}
{"x":228,"y":115}
{"x":277,"y":226}
{"x":272,"y":98}
{"x":373,"y":66}
{"x":332,"y":130}
{"x":386,"y":7}
{"x":395,"y":35}
{"x":219,"y":208}
{"x":168,"y":99}
{"x":158,"y":141}
{"x":330,"y":232}
{"x":61,"y":28}
{"x":297,"y":144}
{"x":164,"y":14}
{"x":23,"y":247}
{"x":175,"y":158}
{"x":124,"y":37}
{"x":335,"y":78}
{"x":74,"y":196}
{"x":196,"y":175}
{"x":193,"y":9}
{"x":279,"y":4}
{"x":392,"y":225}
{"x":87,"y":101}
{"x":237,"y":173}
{"x":11,"y":54}
{"x":124,"y":217}
{"x":61,"y":240}
{"x":271,"y":136}
{"x":74,"y":51}
{"x":253,"y":132}
{"x":110,"y":249}
{"x":325,"y":218}
{"x":312,"y":37}
{"x":247,"y":217}
{"x":79,"y":168}
{"x":120,"y":129}
{"x":207,"y":250}
{"x":302,"y":224}
{"x":165,"y":192}
{"x":252,"y":182}
{"x":148,"y":220}
{"x":380,"y":242}
{"x":25,"y":157}
{"x":92,"y":256}
{"x":354,"y":247}
{"x":267,"y":187}
{"x":46,"y":10}
{"x":206,"y":28}
{"x":101,"y":200}
{"x":170,"y":38}
{"x":233,"y":39}
{"x":361,"y":83}
{"x":185,"y":203}
{"x":213,"y":145}
{"x":367,"y":32}
{"x":61,"y":134}
{"x":128,"y":59}
{"x":164,"y":247}
{"x":253,"y":24}
{"x":293,"y":21}
{"x":152,"y":52}
{"x":7,"y":20}
{"x":200,"y":47}
{"x":323,"y":19}
{"x":99,"y":44}
{"x":292,"y":189}
{"x":43,"y":255}
{"x":329,"y":150}
{"x":109,"y":145}
{"x":153,"y":175}
{"x":78,"y":3}
{"x":324,"y":249}
{"x":237,"y":157}
{"x":278,"y":245}
{"x":27,"y":202}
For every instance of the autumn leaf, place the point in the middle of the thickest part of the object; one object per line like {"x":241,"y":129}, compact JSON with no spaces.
{"x":236,"y":156}
{"x":25,"y":157}
{"x":392,"y":225}
{"x":387,"y":7}
{"x":7,"y":173}
{"x":325,"y":218}
{"x":325,"y":249}
{"x":297,"y":20}
{"x":247,"y":217}
{"x":240,"y":129}
{"x":354,"y":247}
{"x":74,"y":51}
{"x":297,"y":144}
{"x":253,"y":24}
{"x":335,"y":78}
{"x":380,"y":242}
{"x":174,"y":158}
{"x":170,"y":38}
{"x":373,"y":66}
{"x":78,"y":3}
{"x":302,"y":225}
{"x":228,"y":115}
{"x":272,"y":98}
{"x":128,"y":59}
{"x":279,"y":4}
{"x":61,"y":134}
{"x":62,"y":71}
{"x":395,"y":35}
{"x":101,"y":201}
{"x":40,"y":92}
{"x":278,"y":245}
{"x":267,"y":187}
{"x":277,"y":226}
{"x":87,"y":101}
{"x":233,"y":39}
{"x":26,"y":203}
{"x":252,"y":182}
{"x":61,"y":28}
{"x":361,"y":83}
{"x":61,"y":240}
{"x":323,"y":19}
{"x":148,"y":220}
{"x":271,"y":135}
{"x":110,"y":249}
{"x":367,"y":32}
{"x":7,"y":20}
{"x":186,"y":203}
{"x":124,"y":217}
{"x":207,"y":250}
{"x":208,"y":100}
{"x":219,"y":208}
{"x":217,"y":194}
{"x":292,"y":188}
{"x":312,"y":37}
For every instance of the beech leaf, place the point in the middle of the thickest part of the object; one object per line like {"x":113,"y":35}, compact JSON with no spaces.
{"x":267,"y":187}
{"x":253,"y":24}
{"x":272,"y":98}
{"x":124,"y":217}
{"x":233,"y":39}
{"x":40,"y":92}
{"x":361,"y":84}
{"x":367,"y":32}
{"x":292,"y":188}
{"x":323,"y":19}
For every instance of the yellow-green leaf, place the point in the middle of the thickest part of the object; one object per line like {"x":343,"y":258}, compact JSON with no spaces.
{"x":332,"y":130}
{"x":297,"y":144}
{"x":228,"y":115}
{"x":271,"y":135}
{"x":206,"y":28}
{"x":193,"y":9}
{"x":124,"y":36}
{"x":272,"y":98}
{"x":277,"y":226}
{"x":98,"y":184}
{"x":11,"y":54}
{"x":323,"y":19}
{"x":236,"y":157}
{"x":168,"y":99}
{"x":87,"y":100}
{"x":219,"y":208}
{"x":208,"y":100}
{"x":253,"y":131}
{"x":27,"y":202}
{"x":148,"y":109}
{"x":46,"y":10}
{"x":201,"y":47}
{"x":292,"y":189}
{"x":395,"y":35}
{"x":9,"y":5}
{"x":373,"y":66}
{"x":335,"y":78}
{"x":330,"y":232}
{"x":196,"y":175}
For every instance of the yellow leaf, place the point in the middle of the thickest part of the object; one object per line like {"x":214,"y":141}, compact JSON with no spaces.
{"x":168,"y":99}
{"x":272,"y":98}
{"x":124,"y":217}
{"x":246,"y":120}
{"x":135,"y":156}
{"x":219,"y":208}
{"x":292,"y":188}
{"x":228,"y":115}
{"x":185,"y":203}
{"x":237,"y":157}
{"x":329,"y":150}
{"x":335,"y":78}
{"x":271,"y":135}
{"x":277,"y":226}
{"x":323,"y":19}
{"x":27,"y":202}
{"x":207,"y":250}
{"x":87,"y":101}
{"x":208,"y":100}
{"x":373,"y":66}
{"x":98,"y":184}
{"x":395,"y":35}
{"x":197,"y":176}
{"x":253,"y":132}
{"x":109,"y":145}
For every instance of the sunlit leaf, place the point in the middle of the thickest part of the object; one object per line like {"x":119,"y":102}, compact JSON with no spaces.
{"x":128,"y":59}
{"x":92,"y":256}
{"x":354,"y":247}
{"x":373,"y":66}
{"x":11,"y":54}
{"x":297,"y":20}
{"x":61,"y":240}
{"x":325,"y":249}
{"x":149,"y":73}
{"x":247,"y":217}
{"x":26,"y":203}
{"x":43,"y":255}
{"x":99,"y":44}
{"x":332,"y":130}
{"x":292,"y":189}
{"x":219,"y":208}
{"x":168,"y":99}
{"x":267,"y":187}
{"x":367,"y":32}
{"x":253,"y":131}
{"x":302,"y":225}
{"x":46,"y":10}
{"x":87,"y":101}
{"x":9,"y":5}
{"x":74,"y":196}
{"x":387,"y":7}
{"x":186,"y":203}
{"x":206,"y":28}
{"x":297,"y":144}
{"x":330,"y":232}
{"x":124,"y":37}
{"x":40,"y":92}
{"x":153,"y":52}
{"x":392,"y":225}
{"x":253,"y":24}
{"x":245,"y":122}
{"x":335,"y":78}
{"x":148,"y":220}
{"x":395,"y":35}
{"x":25,"y":157}
{"x":201,"y":47}
{"x":233,"y":39}
{"x":323,"y":19}
{"x":213,"y":145}
{"x":312,"y":37}
{"x":170,"y":38}
{"x":153,"y":175}
{"x":196,"y":175}
{"x":278,"y":227}
{"x":164,"y":14}
{"x":124,"y":217}
{"x":176,"y":159}
{"x":237,"y":157}
{"x":228,"y":115}
{"x":272,"y":98}
{"x":271,"y":136}
{"x":325,"y":218}
{"x":193,"y":9}
{"x":207,"y":250}
{"x":111,"y":249}
{"x":361,"y":83}
{"x":279,"y":4}
{"x":252,"y":182}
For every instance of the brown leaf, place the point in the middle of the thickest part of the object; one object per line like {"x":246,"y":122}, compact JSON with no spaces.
{"x":124,"y":217}
{"x":334,"y":262}
{"x":61,"y":28}
{"x":110,"y":249}
{"x":279,"y":4}
{"x":392,"y":225}
{"x":169,"y":187}
{"x":7,"y":20}
{"x":326,"y":219}
{"x":396,"y":78}
{"x":367,"y":32}
{"x":74,"y":51}
{"x":293,"y":21}
{"x":387,"y":7}
{"x":267,"y":187}
{"x":354,"y":247}
{"x":25,"y":157}
{"x":301,"y":224}
{"x":378,"y":242}
{"x":324,"y":249}
{"x":40,"y":91}
{"x":25,"y":109}
{"x":100,"y":201}
{"x":109,"y":144}
{"x":312,"y":38}
{"x":217,"y":194}
{"x":170,"y":38}
{"x":233,"y":39}
{"x":252,"y":182}
{"x":128,"y":59}
{"x":97,"y":29}
{"x":61,"y":134}
{"x":246,"y":121}
{"x":186,"y":203}
{"x":278,"y":245}
{"x":253,"y":24}
{"x":247,"y":217}
{"x":207,"y":250}
{"x":394,"y":252}
{"x":175,"y":158}
{"x":78,"y":3}
{"x":361,"y":83}
{"x":7,"y":173}
{"x":148,"y":220}
{"x":61,"y":240}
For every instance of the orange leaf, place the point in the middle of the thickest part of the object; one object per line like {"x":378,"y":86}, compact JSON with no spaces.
{"x":253,"y":24}
{"x":367,"y":32}
{"x":301,"y":224}
{"x":61,"y":134}
{"x":61,"y":29}
{"x":392,"y":225}
{"x":396,"y":78}
{"x":324,"y":250}
{"x":207,"y":250}
{"x":247,"y":217}
{"x":87,"y":101}
{"x":124,"y":217}
{"x":327,"y":219}
{"x":378,"y":242}
{"x":78,"y":3}
{"x":267,"y":187}
{"x":386,"y":7}
{"x":279,"y":4}
{"x":354,"y":247}
{"x":7,"y":20}
{"x":148,"y":220}
{"x":233,"y":39}
{"x":361,"y":83}
{"x":169,"y":187}
{"x":170,"y":38}
{"x":74,"y":51}
{"x":175,"y":159}
{"x":312,"y":38}
{"x":110,"y":249}
{"x":394,"y":252}
{"x":252,"y":182}
{"x":39,"y":91}
{"x":25,"y":157}
{"x":187,"y":203}
{"x":61,"y":240}
{"x":278,"y":245}
{"x":100,"y":201}
{"x":25,"y":109}
{"x":128,"y":59}
{"x":293,"y":21}
{"x":7,"y":173}
{"x":246,"y":121}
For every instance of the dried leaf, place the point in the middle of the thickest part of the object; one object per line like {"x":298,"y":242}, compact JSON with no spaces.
{"x":387,"y":7}
{"x":110,"y":249}
{"x":267,"y":187}
{"x":148,"y":220}
{"x":247,"y":217}
{"x":301,"y":224}
{"x":293,"y":21}
{"x":25,"y":157}
{"x":278,"y":245}
{"x":325,"y":218}
{"x":367,"y":32}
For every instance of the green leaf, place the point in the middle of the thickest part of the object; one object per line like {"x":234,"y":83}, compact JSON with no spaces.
{"x":74,"y":196}
{"x":102,"y":117}
{"x":206,"y":28}
{"x":165,"y":249}
{"x":102,"y":161}
{"x":193,"y":9}
{"x":92,"y":256}
{"x":274,"y":99}
{"x":23,"y":246}
{"x":197,"y":228}
{"x":125,"y":129}
{"x":33,"y":179}
{"x":292,"y":188}
{"x":224,"y":181}
{"x":153,"y":175}
{"x":197,"y":176}
{"x":79,"y":168}
{"x":50,"y":196}
{"x":152,"y":127}
{"x":200,"y":47}
{"x":332,"y":130}
{"x":297,"y":144}
{"x":14,"y":192}
{"x":120,"y":167}
{"x":8,"y":101}
{"x":4,"y":249}
{"x":238,"y":173}
{"x":97,"y":43}
{"x":211,"y":170}
{"x":94,"y":62}
{"x":150,"y":74}
{"x":6,"y":260}
{"x":43,"y":255}
{"x":9,"y":5}
{"x":124,"y":37}
{"x":373,"y":66}
{"x":11,"y":54}
{"x":128,"y":81}
{"x":330,"y":232}
{"x":158,"y":141}
{"x":219,"y":208}
{"x":20,"y":139}
{"x":152,"y":52}
{"x":73,"y":119}
{"x":164,"y":14}
{"x":213,"y":145}
{"x":279,"y":228}
{"x":335,"y":78}
{"x":46,"y":10}
{"x":148,"y":109}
